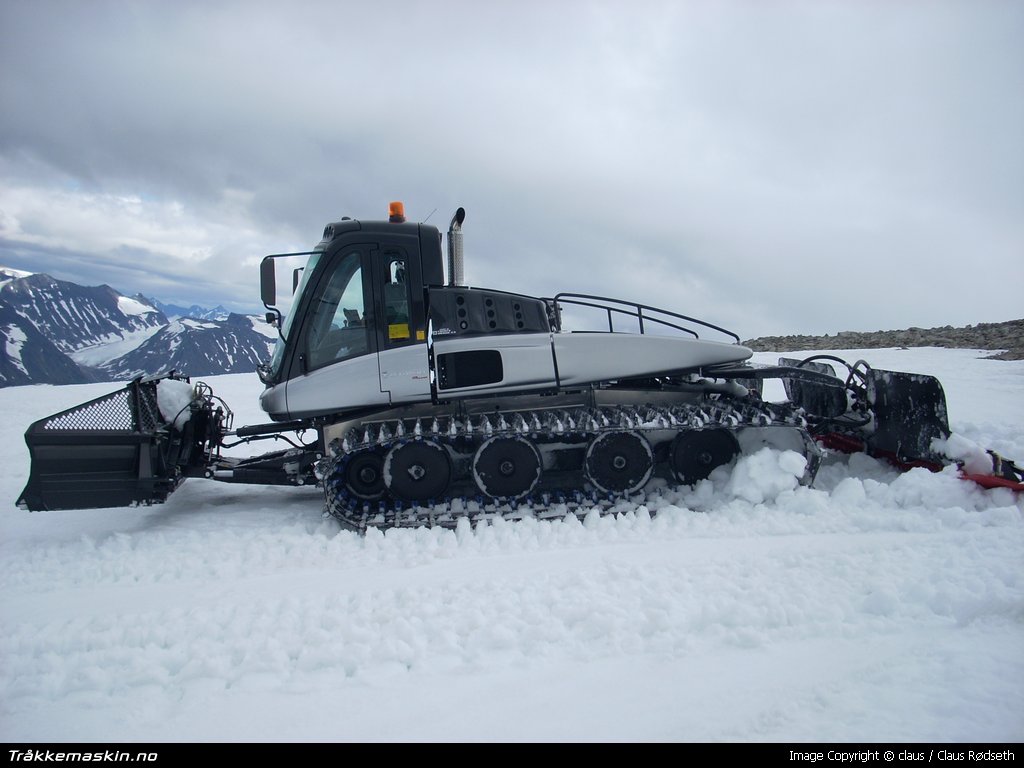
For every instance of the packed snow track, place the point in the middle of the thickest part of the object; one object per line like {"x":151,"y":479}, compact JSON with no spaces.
{"x":870,"y":606}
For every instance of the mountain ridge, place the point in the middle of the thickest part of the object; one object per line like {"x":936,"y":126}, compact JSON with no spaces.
{"x":1005,"y":338}
{"x":58,"y":332}
{"x":55,"y":331}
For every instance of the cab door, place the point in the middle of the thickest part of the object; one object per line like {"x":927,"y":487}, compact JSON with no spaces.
{"x":401,"y":335}
{"x":337,"y":342}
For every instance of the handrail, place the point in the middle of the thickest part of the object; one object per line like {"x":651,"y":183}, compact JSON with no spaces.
{"x":588,"y":300}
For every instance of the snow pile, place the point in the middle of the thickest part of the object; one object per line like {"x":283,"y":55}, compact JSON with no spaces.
{"x":959,"y":448}
{"x":766,"y":474}
{"x":174,"y":398}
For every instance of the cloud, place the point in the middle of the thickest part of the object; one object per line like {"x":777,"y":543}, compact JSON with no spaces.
{"x":774,"y":167}
{"x":158,"y":247}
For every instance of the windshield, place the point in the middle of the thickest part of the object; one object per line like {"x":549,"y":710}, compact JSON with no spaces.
{"x":286,"y":326}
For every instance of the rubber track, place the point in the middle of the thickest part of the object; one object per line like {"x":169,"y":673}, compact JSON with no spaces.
{"x":580,"y":425}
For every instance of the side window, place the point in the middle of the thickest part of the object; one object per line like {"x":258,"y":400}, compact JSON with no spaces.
{"x":396,"y":302}
{"x":337,"y":323}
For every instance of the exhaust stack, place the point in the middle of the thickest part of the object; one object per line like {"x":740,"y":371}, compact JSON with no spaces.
{"x":456,"y":274}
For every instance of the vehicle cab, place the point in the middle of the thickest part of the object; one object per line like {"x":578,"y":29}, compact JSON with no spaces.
{"x":356,"y":333}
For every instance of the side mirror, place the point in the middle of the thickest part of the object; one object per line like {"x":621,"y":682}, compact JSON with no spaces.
{"x":271,"y":318}
{"x":268,"y":283}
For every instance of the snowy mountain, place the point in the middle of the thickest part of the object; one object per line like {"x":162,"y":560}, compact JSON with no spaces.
{"x":7,"y":274}
{"x":176,"y":311}
{"x":197,"y":348}
{"x":28,"y":357}
{"x":73,"y":316}
{"x":59,"y":332}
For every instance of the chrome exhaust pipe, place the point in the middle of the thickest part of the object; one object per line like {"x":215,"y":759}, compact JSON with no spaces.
{"x":456,"y":263}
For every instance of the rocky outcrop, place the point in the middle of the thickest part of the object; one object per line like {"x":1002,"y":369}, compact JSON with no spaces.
{"x":1005,"y":339}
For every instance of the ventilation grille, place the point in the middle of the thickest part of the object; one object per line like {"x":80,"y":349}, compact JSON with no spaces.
{"x":132,"y":409}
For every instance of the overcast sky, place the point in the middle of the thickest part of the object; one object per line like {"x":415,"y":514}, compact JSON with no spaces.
{"x":773,"y":167}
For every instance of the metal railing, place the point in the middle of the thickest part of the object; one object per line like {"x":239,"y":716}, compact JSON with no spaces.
{"x":615,"y":307}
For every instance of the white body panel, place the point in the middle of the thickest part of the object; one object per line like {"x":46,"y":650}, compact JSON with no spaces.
{"x":587,"y":357}
{"x":405,"y":373}
{"x":348,"y":384}
{"x":273,"y":402}
{"x":526,"y":361}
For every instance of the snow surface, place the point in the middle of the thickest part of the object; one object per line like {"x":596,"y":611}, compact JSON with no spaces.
{"x":190,"y":323}
{"x":8,"y":275}
{"x":874,"y":606}
{"x":262,"y":327}
{"x":113,"y":346}
{"x":129,"y":306}
{"x":15,"y":339}
{"x":15,"y":272}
